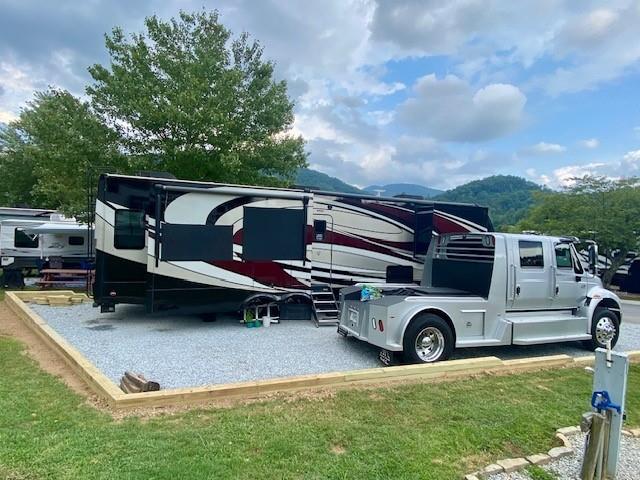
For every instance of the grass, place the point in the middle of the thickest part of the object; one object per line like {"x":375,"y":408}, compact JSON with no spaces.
{"x":539,"y":473}
{"x":430,"y":431}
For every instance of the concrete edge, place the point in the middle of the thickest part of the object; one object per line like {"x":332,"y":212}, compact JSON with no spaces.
{"x":110,"y":392}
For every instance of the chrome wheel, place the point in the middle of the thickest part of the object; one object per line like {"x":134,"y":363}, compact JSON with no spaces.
{"x":605,"y":330}
{"x":429,"y":344}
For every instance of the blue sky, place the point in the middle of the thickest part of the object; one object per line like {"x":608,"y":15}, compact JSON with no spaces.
{"x":421,"y":91}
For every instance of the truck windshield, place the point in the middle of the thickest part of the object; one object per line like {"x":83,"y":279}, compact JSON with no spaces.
{"x":463,"y":262}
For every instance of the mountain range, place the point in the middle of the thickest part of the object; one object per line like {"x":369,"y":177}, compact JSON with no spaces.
{"x":508,"y":197}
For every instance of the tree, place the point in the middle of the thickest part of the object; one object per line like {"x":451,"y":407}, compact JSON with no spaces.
{"x":195,"y":103}
{"x":597,"y":208}
{"x":17,"y":177}
{"x":47,"y":152}
{"x":507,"y":197}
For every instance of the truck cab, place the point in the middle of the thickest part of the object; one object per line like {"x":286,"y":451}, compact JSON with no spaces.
{"x":485,"y":289}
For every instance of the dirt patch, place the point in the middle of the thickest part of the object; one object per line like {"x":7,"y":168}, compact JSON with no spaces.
{"x":12,"y":326}
{"x":338,"y":450}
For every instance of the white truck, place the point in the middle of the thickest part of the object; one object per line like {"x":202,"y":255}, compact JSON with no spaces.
{"x":485,"y":289}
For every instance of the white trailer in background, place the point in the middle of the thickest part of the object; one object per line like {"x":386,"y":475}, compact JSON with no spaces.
{"x":41,"y":240}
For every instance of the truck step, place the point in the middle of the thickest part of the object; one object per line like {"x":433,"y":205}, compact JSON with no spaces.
{"x":529,"y":330}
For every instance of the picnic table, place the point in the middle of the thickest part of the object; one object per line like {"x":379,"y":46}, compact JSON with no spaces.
{"x":65,"y":277}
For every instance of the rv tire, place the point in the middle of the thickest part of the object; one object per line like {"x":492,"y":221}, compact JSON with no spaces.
{"x":428,"y":338}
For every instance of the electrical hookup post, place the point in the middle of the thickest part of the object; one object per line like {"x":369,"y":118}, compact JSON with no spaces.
{"x":604,"y":423}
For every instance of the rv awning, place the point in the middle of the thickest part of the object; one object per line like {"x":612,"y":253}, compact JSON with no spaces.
{"x":57,"y":228}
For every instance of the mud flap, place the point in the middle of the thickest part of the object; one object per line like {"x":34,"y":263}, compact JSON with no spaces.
{"x":387,"y":357}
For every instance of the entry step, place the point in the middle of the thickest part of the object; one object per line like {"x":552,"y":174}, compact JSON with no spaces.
{"x":546,"y":328}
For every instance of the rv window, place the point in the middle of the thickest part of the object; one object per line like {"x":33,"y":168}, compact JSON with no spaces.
{"x":531,"y":254}
{"x":273,"y":234}
{"x":22,"y":240}
{"x":319,"y":229}
{"x":563,"y":256}
{"x":76,"y":241}
{"x":129,"y":231}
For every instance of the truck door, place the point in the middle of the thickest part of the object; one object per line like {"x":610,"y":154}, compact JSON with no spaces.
{"x":532,"y":277}
{"x":569,"y":285}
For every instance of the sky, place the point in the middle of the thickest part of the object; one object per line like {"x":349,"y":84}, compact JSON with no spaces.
{"x":419,"y":91}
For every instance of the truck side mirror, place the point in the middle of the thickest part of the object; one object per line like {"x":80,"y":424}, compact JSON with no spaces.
{"x":593,"y":258}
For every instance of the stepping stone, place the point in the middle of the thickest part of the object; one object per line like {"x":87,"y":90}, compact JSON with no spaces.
{"x":568,"y":430}
{"x":512,"y":464}
{"x":539,"y":459}
{"x":559,"y":452}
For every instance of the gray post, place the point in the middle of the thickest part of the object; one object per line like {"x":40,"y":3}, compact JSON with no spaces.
{"x":611,"y":370}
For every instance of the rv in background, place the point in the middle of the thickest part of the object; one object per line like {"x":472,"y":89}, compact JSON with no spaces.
{"x":166,"y":243}
{"x":35,"y":239}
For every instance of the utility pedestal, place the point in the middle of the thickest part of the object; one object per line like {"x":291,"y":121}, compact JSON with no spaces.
{"x":608,"y":398}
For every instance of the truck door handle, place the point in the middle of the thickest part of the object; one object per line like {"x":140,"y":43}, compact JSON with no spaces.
{"x":517,"y":289}
{"x":557,"y":289}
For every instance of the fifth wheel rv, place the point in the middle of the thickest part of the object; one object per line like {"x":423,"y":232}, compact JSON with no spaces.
{"x":170,"y":243}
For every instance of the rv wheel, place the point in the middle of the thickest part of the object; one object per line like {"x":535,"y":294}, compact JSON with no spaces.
{"x":604,"y":325}
{"x":427,"y":339}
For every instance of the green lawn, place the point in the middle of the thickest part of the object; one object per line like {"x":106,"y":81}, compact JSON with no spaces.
{"x":430,"y":431}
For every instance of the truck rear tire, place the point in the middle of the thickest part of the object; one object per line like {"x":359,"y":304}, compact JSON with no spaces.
{"x":428,"y":339}
{"x":605,"y":322}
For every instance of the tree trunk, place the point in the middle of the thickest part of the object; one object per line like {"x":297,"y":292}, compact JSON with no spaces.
{"x":616,"y":263}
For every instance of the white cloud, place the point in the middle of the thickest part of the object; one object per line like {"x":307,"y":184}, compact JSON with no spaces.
{"x":631,"y":163}
{"x":564,"y":176}
{"x":449,"y":109}
{"x":590,"y":143}
{"x":544,"y":148}
{"x":335,"y":55}
{"x":7,"y":117}
{"x":627,"y":166}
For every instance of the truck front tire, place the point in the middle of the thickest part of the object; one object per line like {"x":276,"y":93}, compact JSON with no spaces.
{"x":428,"y":339}
{"x":604,"y":322}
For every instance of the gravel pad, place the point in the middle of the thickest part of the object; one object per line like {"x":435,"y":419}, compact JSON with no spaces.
{"x":185,"y":351}
{"x":568,"y":468}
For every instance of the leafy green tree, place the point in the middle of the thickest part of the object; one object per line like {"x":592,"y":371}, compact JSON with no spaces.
{"x":596,"y":208}
{"x":197,"y":103}
{"x":48,"y":151}
{"x":17,"y":177}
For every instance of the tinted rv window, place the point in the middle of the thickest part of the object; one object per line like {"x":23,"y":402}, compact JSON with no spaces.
{"x":76,"y":241}
{"x":129,"y":230}
{"x":22,"y":240}
{"x":531,"y":254}
{"x":273,"y":234}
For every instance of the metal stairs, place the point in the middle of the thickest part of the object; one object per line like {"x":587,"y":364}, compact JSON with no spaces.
{"x":325,"y":307}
